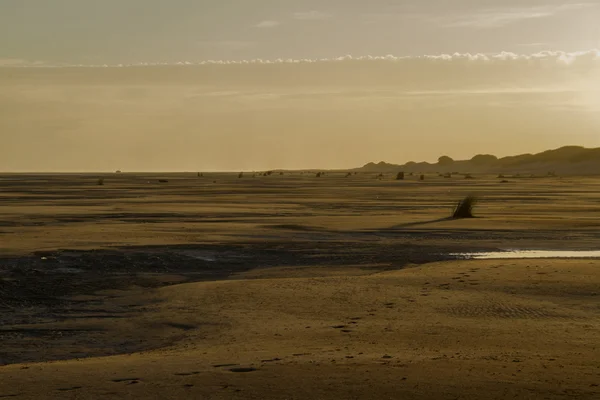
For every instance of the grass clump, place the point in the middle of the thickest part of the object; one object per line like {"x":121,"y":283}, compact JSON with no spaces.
{"x":400,"y":176}
{"x":464,"y":208}
{"x":100,"y":182}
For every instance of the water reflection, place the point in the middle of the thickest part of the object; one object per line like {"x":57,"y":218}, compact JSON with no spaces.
{"x":530,"y":254}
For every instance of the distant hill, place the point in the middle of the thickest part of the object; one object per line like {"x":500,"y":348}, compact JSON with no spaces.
{"x":568,"y":160}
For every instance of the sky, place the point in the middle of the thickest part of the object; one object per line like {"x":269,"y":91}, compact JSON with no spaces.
{"x":252,"y":85}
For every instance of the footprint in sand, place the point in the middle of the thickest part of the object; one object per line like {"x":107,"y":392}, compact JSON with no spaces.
{"x":68,"y":389}
{"x":243,"y":369}
{"x":271,"y":360}
{"x":187,"y":373}
{"x":130,"y":381}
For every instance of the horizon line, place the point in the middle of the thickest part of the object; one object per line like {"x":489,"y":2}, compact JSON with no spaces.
{"x":114,"y":172}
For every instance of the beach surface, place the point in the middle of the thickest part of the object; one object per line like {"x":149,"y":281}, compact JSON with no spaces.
{"x":294,"y":287}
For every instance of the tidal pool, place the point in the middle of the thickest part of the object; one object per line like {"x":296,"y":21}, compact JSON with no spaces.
{"x":530,"y":254}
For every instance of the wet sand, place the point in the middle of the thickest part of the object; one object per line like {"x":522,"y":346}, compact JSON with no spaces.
{"x":294,"y":287}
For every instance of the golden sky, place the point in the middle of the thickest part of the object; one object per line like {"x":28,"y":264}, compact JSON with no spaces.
{"x":254,"y":85}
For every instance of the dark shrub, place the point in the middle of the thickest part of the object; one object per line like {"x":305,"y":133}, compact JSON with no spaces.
{"x":464,"y":208}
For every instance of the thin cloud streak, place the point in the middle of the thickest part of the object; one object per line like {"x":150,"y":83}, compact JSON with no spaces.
{"x":267,"y":24}
{"x":559,"y":57}
{"x":499,"y":17}
{"x":547,"y":56}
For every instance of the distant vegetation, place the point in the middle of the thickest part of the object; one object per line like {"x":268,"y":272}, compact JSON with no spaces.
{"x":565,"y":160}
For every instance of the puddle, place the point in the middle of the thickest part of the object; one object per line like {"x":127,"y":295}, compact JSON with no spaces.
{"x":529,"y":254}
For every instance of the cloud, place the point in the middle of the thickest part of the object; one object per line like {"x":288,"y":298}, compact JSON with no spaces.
{"x":442,"y":73}
{"x":19,"y":62}
{"x":545,"y":58}
{"x":267,"y":24}
{"x":542,"y":57}
{"x":311,"y":16}
{"x":500,"y":17}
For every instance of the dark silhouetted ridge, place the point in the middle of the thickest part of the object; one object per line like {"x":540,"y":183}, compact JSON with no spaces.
{"x":568,"y":160}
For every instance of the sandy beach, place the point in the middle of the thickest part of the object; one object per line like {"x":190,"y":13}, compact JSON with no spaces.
{"x":296,"y":287}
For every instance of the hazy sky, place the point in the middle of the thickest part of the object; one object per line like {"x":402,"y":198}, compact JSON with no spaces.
{"x":131,"y":31}
{"x":504,"y":77}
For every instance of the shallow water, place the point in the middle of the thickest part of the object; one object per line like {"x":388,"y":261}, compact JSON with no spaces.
{"x":530,"y":254}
